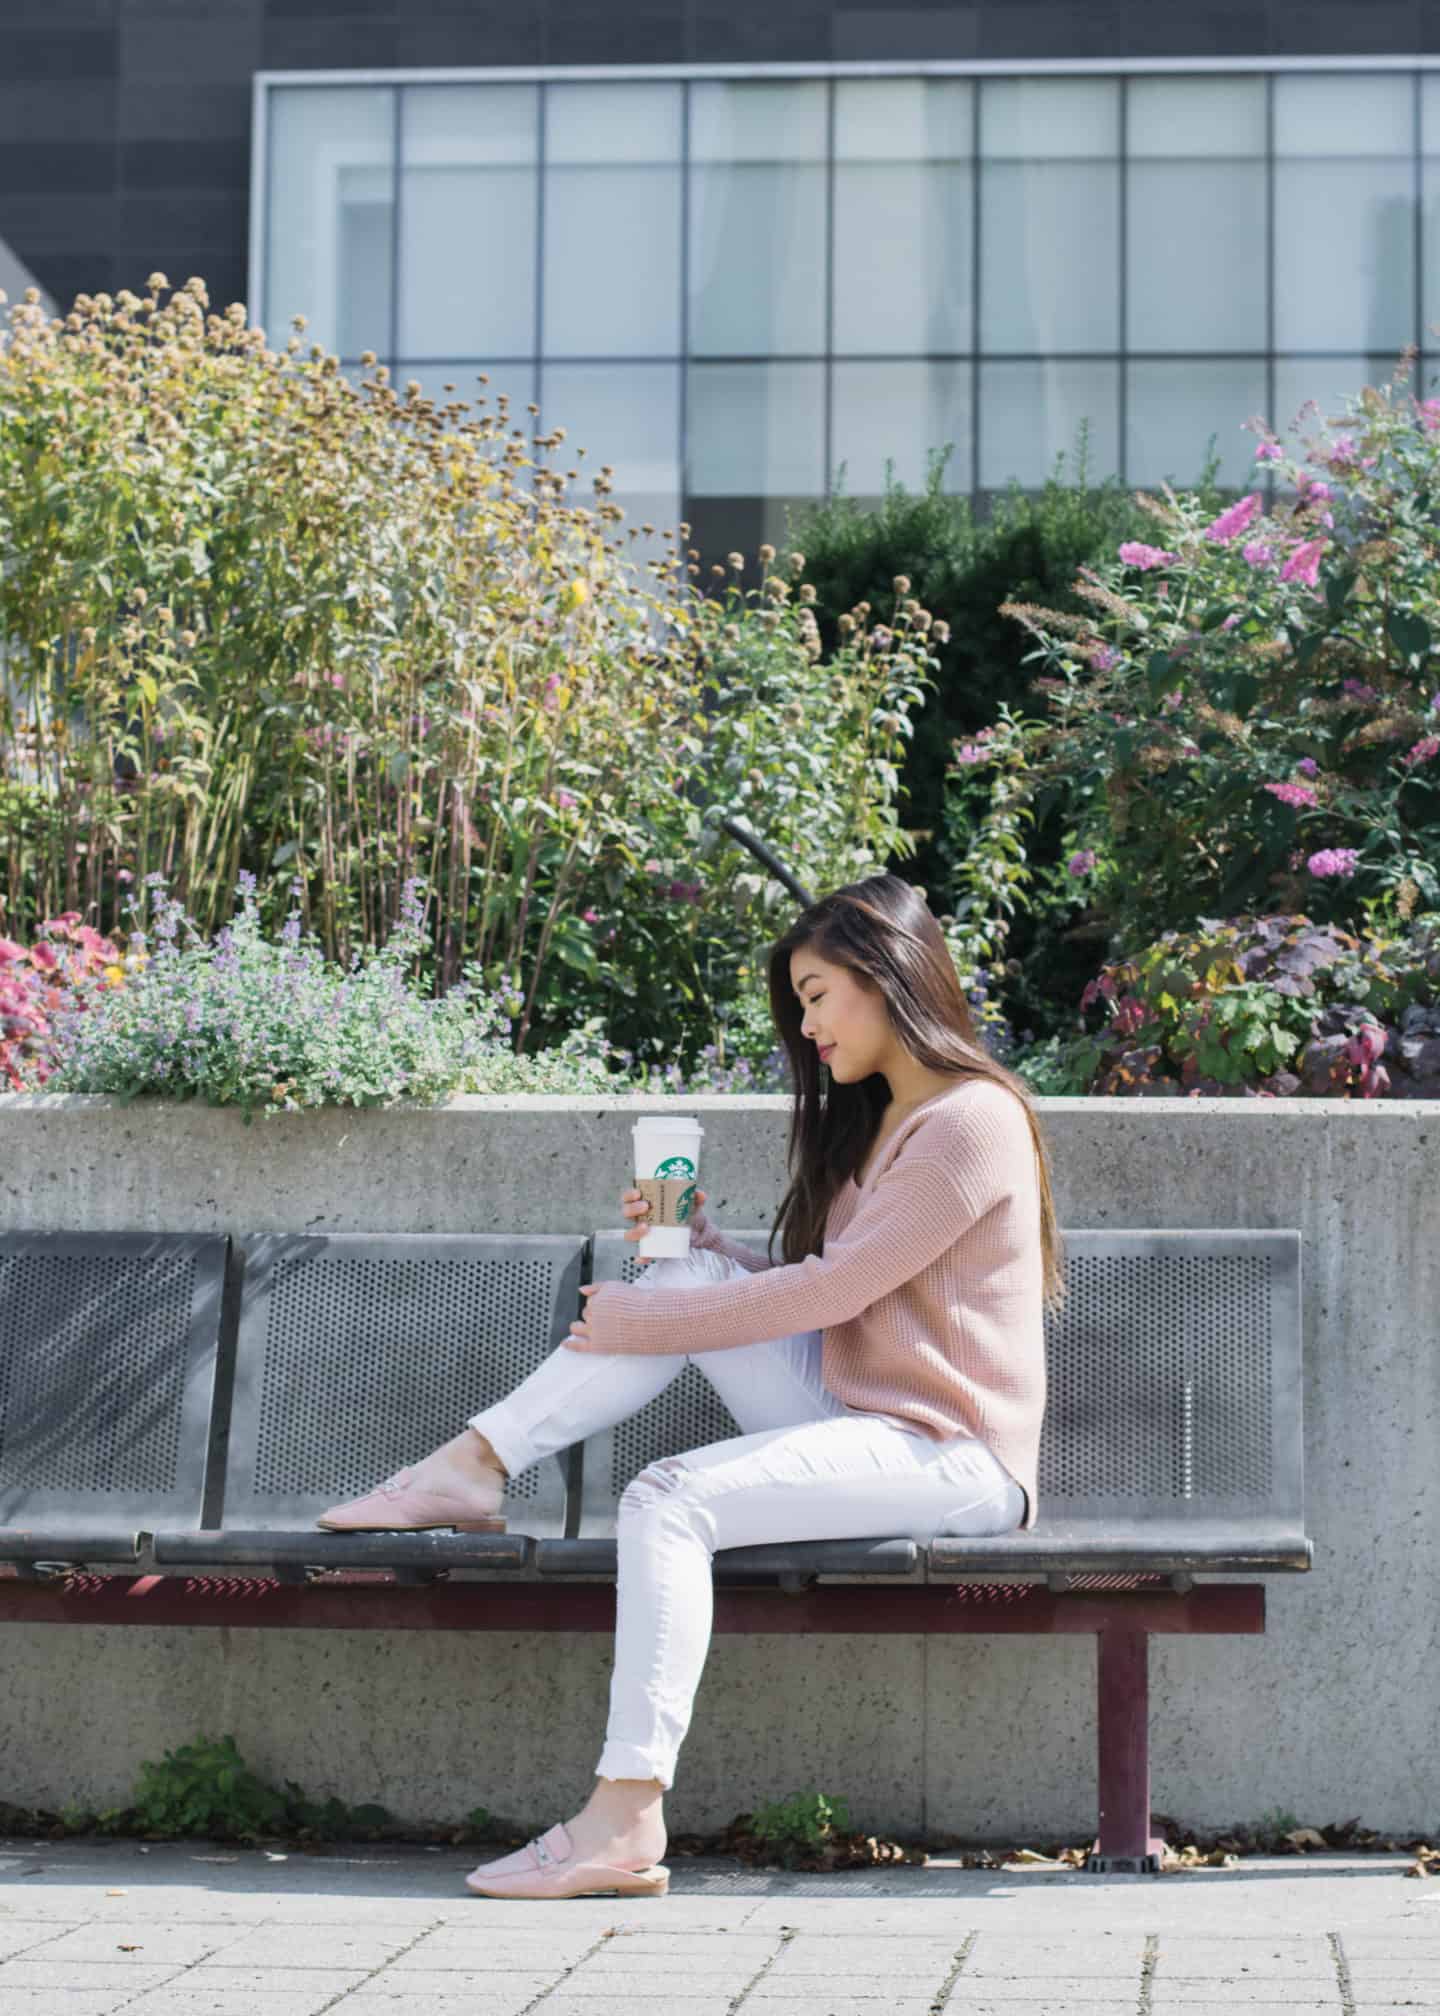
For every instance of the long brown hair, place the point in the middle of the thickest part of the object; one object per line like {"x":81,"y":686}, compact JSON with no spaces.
{"x":884,"y":932}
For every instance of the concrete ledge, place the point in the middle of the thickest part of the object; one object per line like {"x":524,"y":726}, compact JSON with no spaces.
{"x":1329,"y":1714}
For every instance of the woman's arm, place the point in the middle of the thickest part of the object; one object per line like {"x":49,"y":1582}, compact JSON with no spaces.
{"x":914,"y":1212}
{"x":713,"y":1240}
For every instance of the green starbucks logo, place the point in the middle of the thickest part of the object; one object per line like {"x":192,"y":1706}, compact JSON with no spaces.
{"x":680,"y":1166}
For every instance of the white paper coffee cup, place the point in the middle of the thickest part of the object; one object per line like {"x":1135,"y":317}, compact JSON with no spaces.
{"x":667,"y":1169}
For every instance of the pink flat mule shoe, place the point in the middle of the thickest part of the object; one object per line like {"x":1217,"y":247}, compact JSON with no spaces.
{"x":400,"y":1505}
{"x":546,"y":1867}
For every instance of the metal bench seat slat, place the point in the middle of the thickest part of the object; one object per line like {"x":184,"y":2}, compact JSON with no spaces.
{"x":805,"y":1557}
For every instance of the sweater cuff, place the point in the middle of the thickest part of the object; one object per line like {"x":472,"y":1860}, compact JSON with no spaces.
{"x":606,"y":1312}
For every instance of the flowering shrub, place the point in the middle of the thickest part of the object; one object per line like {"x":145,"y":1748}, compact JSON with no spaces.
{"x":272,"y":1025}
{"x":261,"y":617}
{"x":1270,"y":1008}
{"x":68,"y":965}
{"x":1249,"y":717}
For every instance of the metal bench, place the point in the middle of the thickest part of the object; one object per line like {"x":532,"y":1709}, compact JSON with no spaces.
{"x":177,"y":1409}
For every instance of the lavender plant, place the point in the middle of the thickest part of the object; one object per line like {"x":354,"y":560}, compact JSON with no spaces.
{"x":273,"y":1025}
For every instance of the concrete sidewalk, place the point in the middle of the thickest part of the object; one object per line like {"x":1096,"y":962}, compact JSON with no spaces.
{"x":198,"y":1929}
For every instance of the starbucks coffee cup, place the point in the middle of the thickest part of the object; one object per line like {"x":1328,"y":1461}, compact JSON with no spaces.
{"x":667,"y":1168}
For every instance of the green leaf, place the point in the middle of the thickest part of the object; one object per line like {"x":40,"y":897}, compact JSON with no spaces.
{"x":1409,"y":633}
{"x":1337,"y":588}
{"x":1215,"y":615}
{"x":1244,"y":693}
{"x":1159,"y":671}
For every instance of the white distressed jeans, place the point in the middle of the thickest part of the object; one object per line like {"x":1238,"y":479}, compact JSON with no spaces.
{"x":807,"y":1467}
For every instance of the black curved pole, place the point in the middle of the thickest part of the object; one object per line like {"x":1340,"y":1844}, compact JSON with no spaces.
{"x":765,"y":855}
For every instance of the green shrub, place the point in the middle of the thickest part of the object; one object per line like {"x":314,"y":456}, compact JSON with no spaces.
{"x":1245,"y":717}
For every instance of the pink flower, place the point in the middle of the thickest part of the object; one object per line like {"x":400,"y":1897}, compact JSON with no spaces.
{"x":1304,"y":562}
{"x":1136,"y":554}
{"x":590,"y":916}
{"x":1257,"y":553}
{"x":1342,"y":449}
{"x":1231,"y":620}
{"x":1103,"y":658}
{"x":1233,"y":521}
{"x":1308,"y":765}
{"x":1358,"y":689}
{"x":1339,"y":861}
{"x":565,"y":799}
{"x":1422,"y":752}
{"x":970,"y":752}
{"x":1311,"y":490}
{"x":1269,"y":451}
{"x":1429,"y":412}
{"x":1292,"y":794}
{"x":1083,"y":862}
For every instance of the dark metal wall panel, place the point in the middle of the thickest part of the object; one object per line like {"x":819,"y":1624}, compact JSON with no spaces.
{"x":108,"y":1353}
{"x":359,"y":1353}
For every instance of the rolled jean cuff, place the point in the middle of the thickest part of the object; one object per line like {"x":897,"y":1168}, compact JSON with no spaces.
{"x":509,"y":1441}
{"x":624,"y":1760}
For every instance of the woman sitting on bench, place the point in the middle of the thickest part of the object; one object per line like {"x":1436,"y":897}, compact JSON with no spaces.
{"x":889,"y":1376}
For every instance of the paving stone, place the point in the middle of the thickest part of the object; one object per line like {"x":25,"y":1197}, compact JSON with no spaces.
{"x":93,"y":1974}
{"x":1242,"y":1991}
{"x":1412,"y":1989}
{"x":344,"y":1946}
{"x":138,"y":1940}
{"x":405,"y":1987}
{"x":225,"y":2002}
{"x":17,"y":1935}
{"x":1014,"y":1992}
{"x":817,"y":1953}
{"x":66,"y":2001}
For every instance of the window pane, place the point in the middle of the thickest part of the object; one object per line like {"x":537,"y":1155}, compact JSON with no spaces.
{"x":1029,"y":413}
{"x":467,"y":220}
{"x":903,"y":254}
{"x":757,"y":278}
{"x":1049,"y":239}
{"x":1339,"y":114}
{"x":1195,"y":246}
{"x":612,"y":261}
{"x":1195,"y":116}
{"x":1024,"y":118}
{"x":904,"y":119}
{"x":757,"y":430}
{"x":900,"y":412}
{"x":757,"y":122}
{"x":1171,"y":410}
{"x":612,"y":220}
{"x":585,"y":123}
{"x":1344,"y":255}
{"x":629,"y":416}
{"x":330,"y":225}
{"x":1430,"y":112}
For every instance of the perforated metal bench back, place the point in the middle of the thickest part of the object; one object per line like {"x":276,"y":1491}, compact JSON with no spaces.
{"x":1173,"y":1378}
{"x":108,"y":1352}
{"x":358,"y":1353}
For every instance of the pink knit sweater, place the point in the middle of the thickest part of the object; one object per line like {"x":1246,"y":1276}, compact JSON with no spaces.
{"x":928,"y":1293}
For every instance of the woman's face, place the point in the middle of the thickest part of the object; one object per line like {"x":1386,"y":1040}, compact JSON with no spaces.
{"x":845,"y":1022}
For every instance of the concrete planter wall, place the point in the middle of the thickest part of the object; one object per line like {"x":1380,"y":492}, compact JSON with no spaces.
{"x":1331,"y":1713}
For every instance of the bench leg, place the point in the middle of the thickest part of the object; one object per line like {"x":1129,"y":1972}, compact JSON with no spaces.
{"x":1123,"y":1686}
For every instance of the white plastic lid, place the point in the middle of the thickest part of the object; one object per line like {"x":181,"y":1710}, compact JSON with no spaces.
{"x":668,"y":1123}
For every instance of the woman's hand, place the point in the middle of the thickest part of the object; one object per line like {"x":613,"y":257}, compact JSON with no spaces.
{"x":634,"y":1204}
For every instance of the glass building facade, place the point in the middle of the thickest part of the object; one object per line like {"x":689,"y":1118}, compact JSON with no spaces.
{"x":746,"y":290}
